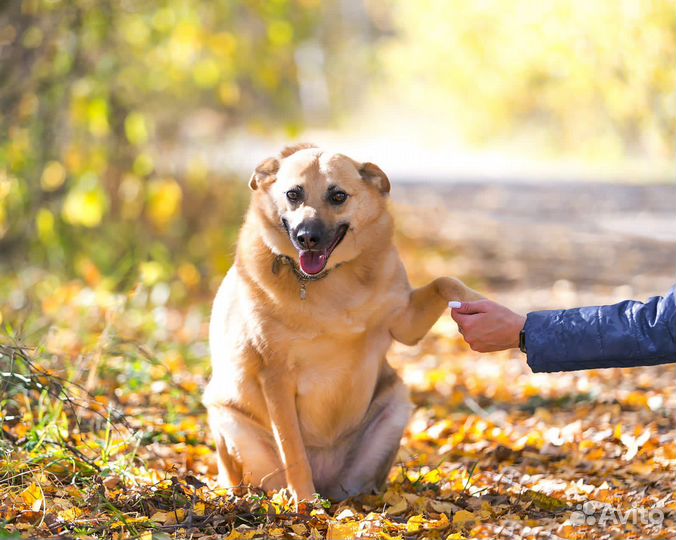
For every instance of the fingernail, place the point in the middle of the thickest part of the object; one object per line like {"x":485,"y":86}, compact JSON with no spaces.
{"x":454,"y":304}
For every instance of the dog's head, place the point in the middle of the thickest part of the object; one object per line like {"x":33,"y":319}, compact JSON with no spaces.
{"x":319,"y":208}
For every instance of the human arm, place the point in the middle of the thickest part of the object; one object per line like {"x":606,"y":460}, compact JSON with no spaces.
{"x":627,"y":334}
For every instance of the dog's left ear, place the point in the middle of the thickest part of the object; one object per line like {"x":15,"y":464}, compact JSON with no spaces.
{"x":263,"y":172}
{"x":375,"y":175}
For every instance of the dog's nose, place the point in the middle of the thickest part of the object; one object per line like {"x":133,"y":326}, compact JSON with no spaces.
{"x":309,"y":234}
{"x":307,"y":239}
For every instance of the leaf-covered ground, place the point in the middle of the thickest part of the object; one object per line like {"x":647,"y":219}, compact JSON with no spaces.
{"x":103,"y":435}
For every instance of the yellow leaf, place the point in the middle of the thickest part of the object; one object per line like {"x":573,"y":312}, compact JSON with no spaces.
{"x":97,"y":115}
{"x":84,"y":208}
{"x":32,"y":496}
{"x":199,"y":509}
{"x":164,"y":201}
{"x":441,"y":523}
{"x":277,"y":532}
{"x":432,"y":477}
{"x":456,"y":536}
{"x":415,"y":523}
{"x":617,"y":433}
{"x":236,"y":534}
{"x":669,"y":450}
{"x":462,"y":517}
{"x":384,"y":536}
{"x":299,"y":529}
{"x":71,"y":514}
{"x":136,"y":129}
{"x":596,"y":454}
{"x":129,"y":521}
{"x":151,"y":272}
{"x":642,"y":469}
{"x":73,"y":491}
{"x":175,"y":516}
{"x":342,"y":531}
{"x":159,"y":517}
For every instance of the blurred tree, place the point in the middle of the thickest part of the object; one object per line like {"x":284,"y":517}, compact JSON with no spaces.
{"x":595,"y":78}
{"x":95,"y":95}
{"x":89,"y":89}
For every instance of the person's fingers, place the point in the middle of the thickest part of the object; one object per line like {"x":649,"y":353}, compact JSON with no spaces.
{"x":465,"y":323}
{"x":469,"y":308}
{"x":464,"y":319}
{"x":458,"y":317}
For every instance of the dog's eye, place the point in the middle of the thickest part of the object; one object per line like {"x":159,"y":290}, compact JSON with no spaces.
{"x":338,"y":197}
{"x":294,"y":195}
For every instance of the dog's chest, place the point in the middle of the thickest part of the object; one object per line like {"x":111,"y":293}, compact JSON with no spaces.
{"x":335,"y":381}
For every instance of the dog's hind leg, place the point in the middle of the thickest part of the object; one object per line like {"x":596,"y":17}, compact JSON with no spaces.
{"x":245,"y":450}
{"x":375,"y":446}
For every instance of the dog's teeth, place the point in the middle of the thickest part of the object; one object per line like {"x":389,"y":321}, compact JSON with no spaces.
{"x":454,"y":304}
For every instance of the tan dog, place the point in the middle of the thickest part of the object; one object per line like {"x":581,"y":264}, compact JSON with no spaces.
{"x":301,"y":394}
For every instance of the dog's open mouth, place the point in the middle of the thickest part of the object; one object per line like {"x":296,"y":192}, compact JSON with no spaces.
{"x":312,"y":261}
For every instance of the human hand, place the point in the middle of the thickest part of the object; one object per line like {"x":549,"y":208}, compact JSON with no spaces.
{"x":488,"y":326}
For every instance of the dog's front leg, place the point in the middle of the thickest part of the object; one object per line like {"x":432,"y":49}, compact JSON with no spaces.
{"x":425,"y":306}
{"x":280,"y":398}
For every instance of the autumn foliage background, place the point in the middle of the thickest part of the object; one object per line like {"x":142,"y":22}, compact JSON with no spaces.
{"x":127,"y":130}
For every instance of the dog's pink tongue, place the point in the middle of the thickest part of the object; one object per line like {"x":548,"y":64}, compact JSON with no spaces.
{"x":312,"y":262}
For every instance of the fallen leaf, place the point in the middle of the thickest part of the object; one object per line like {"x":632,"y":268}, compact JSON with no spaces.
{"x":342,"y":531}
{"x":415,"y":523}
{"x":70,"y":514}
{"x":33,"y":496}
{"x":545,"y":501}
{"x":441,"y":523}
{"x":443,"y":507}
{"x":345,"y":513}
{"x":199,"y":509}
{"x":159,"y":517}
{"x":462,"y":517}
{"x":398,"y":508}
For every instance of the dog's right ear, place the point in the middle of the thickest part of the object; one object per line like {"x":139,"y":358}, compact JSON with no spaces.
{"x":263,"y":171}
{"x":270,"y":166}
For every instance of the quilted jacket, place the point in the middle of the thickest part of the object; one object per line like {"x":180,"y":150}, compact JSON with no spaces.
{"x":627,"y":334}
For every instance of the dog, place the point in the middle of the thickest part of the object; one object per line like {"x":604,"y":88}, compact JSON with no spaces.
{"x":301,"y":394}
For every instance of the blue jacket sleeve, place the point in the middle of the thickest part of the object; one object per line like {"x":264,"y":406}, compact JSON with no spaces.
{"x":627,"y":334}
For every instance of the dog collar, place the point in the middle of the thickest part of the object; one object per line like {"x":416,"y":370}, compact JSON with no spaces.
{"x":301,"y":276}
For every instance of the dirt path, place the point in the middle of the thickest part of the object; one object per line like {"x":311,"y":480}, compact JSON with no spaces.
{"x":563,"y":243}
